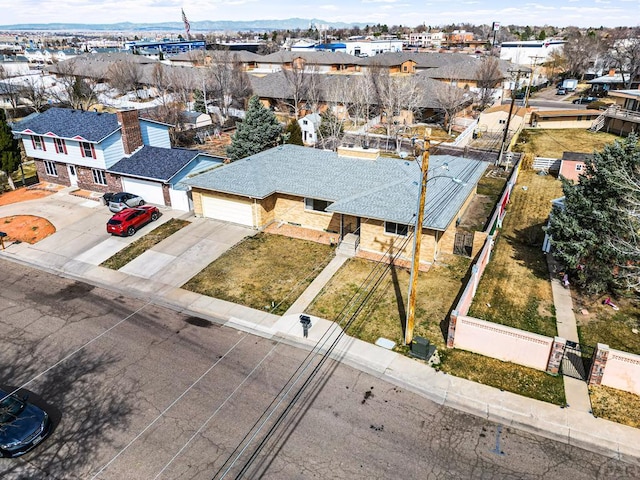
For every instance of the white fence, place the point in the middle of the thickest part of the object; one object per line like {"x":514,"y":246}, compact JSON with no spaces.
{"x":542,"y":163}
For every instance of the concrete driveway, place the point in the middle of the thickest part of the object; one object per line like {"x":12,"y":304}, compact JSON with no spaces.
{"x":81,"y":238}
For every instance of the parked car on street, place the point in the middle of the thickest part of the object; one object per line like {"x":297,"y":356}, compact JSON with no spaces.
{"x":22,"y":425}
{"x":583,"y":100}
{"x":561,"y":91}
{"x":121,"y":200}
{"x":129,"y":220}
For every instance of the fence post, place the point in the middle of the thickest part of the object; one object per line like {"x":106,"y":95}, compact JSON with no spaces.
{"x":600,"y":357}
{"x":451,"y":334}
{"x":556,"y":354}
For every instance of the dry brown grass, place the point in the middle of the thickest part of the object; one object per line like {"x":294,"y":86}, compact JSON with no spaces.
{"x":266,"y":272}
{"x":515,"y":288}
{"x":384,"y":313}
{"x":552,"y":143}
{"x":615,"y":405}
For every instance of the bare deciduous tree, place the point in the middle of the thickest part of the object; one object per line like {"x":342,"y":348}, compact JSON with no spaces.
{"x":9,"y":88}
{"x":624,"y":51}
{"x":36,"y":93}
{"x":489,"y":77}
{"x":297,"y":78}
{"x":125,"y":76}
{"x":227,"y":82}
{"x":79,"y":92}
{"x":451,"y":100}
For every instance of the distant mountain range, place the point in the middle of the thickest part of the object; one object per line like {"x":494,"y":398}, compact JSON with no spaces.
{"x":204,"y":26}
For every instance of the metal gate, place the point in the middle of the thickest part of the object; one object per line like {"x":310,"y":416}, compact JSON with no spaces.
{"x":463,"y":244}
{"x":576,"y":361}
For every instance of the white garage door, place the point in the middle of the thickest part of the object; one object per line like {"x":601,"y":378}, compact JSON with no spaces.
{"x":150,"y":191}
{"x":228,"y":210}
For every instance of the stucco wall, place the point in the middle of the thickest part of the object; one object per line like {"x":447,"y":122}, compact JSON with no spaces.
{"x":622,"y":371}
{"x":502,"y":342}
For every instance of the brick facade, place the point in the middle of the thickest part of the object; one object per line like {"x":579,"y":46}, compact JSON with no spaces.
{"x":599,"y":363}
{"x":555,"y":357}
{"x":84,"y":174}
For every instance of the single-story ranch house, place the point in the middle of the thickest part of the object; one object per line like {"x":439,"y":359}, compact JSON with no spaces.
{"x":352,"y":193}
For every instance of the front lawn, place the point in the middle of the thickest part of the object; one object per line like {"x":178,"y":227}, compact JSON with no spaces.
{"x":515,"y":288}
{"x":265,"y":272}
{"x":598,"y":323}
{"x":384,"y":313}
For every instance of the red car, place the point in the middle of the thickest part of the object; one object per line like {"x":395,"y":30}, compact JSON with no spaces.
{"x":129,"y":220}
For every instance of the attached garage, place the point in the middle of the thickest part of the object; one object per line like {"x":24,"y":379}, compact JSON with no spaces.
{"x":150,"y":191}
{"x":228,"y":210}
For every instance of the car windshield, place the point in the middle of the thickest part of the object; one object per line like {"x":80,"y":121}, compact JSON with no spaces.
{"x":114,"y":222}
{"x":10,"y":408}
{"x":119,"y":197}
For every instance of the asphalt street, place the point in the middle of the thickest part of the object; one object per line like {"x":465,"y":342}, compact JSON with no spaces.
{"x":138,"y":391}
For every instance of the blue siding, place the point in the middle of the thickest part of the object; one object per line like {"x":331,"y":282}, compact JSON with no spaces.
{"x":197,"y":165}
{"x":113,"y":149}
{"x":155,"y":135}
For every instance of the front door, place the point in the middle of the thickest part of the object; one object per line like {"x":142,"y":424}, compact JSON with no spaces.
{"x":73,"y":175}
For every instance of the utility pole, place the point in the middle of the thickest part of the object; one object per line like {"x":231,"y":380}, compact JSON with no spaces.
{"x":534,"y":61}
{"x":506,"y":127}
{"x":417,"y":242}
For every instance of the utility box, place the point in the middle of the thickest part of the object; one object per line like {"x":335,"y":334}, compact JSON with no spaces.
{"x":420,"y":348}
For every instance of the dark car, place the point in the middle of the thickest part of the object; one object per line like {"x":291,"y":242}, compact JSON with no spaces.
{"x":22,"y":425}
{"x":121,"y":200}
{"x":127,"y":221}
{"x":583,"y":100}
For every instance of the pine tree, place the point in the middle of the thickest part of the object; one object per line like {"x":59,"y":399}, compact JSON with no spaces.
{"x":294,"y":133}
{"x":9,"y":147}
{"x":198,"y":101}
{"x":258,"y":131}
{"x":595,"y":234}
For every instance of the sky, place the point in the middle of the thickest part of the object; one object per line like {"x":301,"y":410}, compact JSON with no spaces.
{"x":560,"y":13}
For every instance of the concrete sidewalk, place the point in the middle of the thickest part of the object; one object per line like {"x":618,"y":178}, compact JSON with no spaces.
{"x":571,"y":425}
{"x":576,"y":391}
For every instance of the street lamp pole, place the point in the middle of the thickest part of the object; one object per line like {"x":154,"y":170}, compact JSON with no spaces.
{"x":417,"y":242}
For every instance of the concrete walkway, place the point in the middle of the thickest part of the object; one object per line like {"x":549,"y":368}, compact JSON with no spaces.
{"x":576,"y":391}
{"x":572,"y":425}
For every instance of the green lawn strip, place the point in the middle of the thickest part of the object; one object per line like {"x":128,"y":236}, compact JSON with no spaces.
{"x":504,"y":375}
{"x":384,"y":313}
{"x":515,"y":289}
{"x":615,"y":405}
{"x":265,"y":272}
{"x":144,"y":243}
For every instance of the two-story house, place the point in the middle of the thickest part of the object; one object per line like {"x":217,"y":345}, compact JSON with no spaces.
{"x":105,"y":152}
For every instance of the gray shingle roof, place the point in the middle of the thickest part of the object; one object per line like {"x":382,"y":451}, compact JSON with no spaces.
{"x":155,"y":163}
{"x":385,"y":188}
{"x":68,"y":123}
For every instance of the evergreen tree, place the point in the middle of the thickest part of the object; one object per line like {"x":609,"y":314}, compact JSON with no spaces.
{"x":258,"y":131}
{"x":595,"y":235}
{"x":293,"y":133}
{"x":9,"y":147}
{"x":198,"y":102}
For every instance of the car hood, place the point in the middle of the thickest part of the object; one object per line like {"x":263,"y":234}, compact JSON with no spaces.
{"x":25,"y":424}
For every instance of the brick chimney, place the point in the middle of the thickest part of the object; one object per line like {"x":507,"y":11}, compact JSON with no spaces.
{"x":131,"y":134}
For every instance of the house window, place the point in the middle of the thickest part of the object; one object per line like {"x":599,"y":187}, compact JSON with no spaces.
{"x":38,"y":143}
{"x":315,"y":204}
{"x":51,"y":169}
{"x":502,"y":121}
{"x":87,"y":150}
{"x":99,"y":177}
{"x":396,"y":229}
{"x":61,"y":147}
